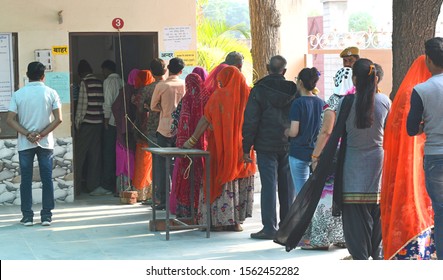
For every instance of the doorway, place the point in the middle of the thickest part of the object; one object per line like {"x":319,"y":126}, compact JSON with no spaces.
{"x":137,"y":51}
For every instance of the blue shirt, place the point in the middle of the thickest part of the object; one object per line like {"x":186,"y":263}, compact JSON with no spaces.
{"x":307,"y":111}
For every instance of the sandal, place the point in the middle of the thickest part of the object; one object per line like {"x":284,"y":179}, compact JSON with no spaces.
{"x":236,"y":227}
{"x":341,"y":245}
{"x":311,"y":247}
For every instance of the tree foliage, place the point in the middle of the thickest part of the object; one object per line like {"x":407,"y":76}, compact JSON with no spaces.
{"x":216,"y":39}
{"x":361,"y":21}
{"x":233,"y":12}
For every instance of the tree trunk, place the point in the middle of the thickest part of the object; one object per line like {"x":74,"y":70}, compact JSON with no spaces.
{"x":265,"y":24}
{"x":414,"y":22}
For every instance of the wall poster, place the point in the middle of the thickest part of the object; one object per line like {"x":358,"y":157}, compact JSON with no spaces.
{"x":6,"y":71}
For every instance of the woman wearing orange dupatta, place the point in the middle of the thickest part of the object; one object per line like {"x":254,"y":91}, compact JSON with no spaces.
{"x":143,"y":159}
{"x":406,"y":211}
{"x":232,"y":181}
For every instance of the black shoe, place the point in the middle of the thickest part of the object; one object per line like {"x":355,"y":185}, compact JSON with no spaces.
{"x":27,"y":221}
{"x":46,"y":222}
{"x":160,"y":206}
{"x":147,"y":202}
{"x":262,"y":235}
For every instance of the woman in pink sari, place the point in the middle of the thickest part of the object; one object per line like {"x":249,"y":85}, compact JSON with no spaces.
{"x":125,"y":146}
{"x":193,"y":104}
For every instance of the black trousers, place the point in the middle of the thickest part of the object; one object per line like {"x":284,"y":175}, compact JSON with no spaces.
{"x":88,"y":157}
{"x":362,"y":230}
{"x":160,"y":168}
{"x":109,"y":177}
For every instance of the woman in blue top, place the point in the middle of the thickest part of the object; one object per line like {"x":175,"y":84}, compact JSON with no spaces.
{"x":305,"y":116}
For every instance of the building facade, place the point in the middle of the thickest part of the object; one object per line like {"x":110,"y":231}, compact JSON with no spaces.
{"x":59,"y":34}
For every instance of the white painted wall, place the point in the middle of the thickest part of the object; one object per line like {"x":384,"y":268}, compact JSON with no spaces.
{"x":293,"y":32}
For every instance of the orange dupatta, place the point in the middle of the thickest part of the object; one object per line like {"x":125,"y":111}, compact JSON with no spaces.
{"x":143,"y":159}
{"x":406,"y":209}
{"x":224,"y":111}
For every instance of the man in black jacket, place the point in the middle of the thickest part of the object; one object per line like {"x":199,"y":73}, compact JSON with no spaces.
{"x":266,"y":118}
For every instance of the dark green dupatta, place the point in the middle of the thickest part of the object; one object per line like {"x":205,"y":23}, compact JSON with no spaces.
{"x":302,"y":210}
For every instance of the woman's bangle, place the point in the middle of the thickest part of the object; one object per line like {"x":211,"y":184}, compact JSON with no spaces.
{"x":314,"y":157}
{"x":194,"y":140}
{"x":191,"y":141}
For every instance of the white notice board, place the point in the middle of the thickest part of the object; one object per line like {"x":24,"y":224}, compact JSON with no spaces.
{"x":6,"y":71}
{"x":177,"y":38}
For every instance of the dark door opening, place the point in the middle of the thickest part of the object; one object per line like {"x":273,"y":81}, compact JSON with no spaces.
{"x":137,"y":51}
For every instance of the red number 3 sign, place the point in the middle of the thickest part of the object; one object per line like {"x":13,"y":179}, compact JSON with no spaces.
{"x":118,"y":23}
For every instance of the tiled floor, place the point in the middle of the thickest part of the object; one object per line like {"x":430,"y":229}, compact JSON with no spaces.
{"x":101,"y":228}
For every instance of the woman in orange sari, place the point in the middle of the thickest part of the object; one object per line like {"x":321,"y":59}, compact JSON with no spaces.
{"x":232,"y":181}
{"x":406,"y":211}
{"x":143,"y":159}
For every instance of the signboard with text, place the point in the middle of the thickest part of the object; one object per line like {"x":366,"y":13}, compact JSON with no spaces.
{"x":6,"y":71}
{"x":60,"y":50}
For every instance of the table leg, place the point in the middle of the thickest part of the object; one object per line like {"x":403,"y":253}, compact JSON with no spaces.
{"x":192,"y":191}
{"x":154,"y":186}
{"x":168,"y":161}
{"x":208,"y":197}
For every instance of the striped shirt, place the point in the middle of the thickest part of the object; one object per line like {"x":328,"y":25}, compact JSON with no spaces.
{"x":90,"y":102}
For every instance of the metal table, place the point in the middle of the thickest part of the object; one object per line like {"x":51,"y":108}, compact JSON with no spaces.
{"x":168,"y":154}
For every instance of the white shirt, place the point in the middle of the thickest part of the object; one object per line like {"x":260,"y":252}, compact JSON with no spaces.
{"x":111,"y":88}
{"x":33,"y":105}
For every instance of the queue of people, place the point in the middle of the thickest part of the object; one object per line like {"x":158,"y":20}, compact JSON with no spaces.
{"x":376,"y":199}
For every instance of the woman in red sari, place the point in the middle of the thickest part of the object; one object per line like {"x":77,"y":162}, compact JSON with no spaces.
{"x":232,"y":181}
{"x":406,"y":210}
{"x":193,"y":104}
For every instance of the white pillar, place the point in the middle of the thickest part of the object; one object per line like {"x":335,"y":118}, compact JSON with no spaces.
{"x":293,"y":35}
{"x":335,"y":15}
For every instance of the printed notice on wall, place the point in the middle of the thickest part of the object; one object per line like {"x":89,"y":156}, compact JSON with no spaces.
{"x":60,"y":82}
{"x":177,"y":38}
{"x":6,"y":71}
{"x":189,"y":57}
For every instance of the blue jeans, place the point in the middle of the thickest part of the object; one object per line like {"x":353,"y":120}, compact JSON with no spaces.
{"x":274,"y":172}
{"x":26,"y":159}
{"x":300,"y":172}
{"x":433,"y":165}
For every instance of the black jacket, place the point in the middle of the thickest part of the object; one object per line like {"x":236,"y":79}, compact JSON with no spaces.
{"x":267,"y":114}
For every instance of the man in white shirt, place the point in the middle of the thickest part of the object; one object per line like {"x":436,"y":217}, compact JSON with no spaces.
{"x":30,"y":114}
{"x":111,"y":88}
